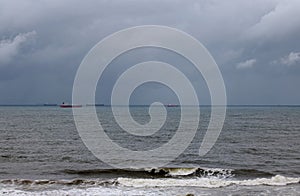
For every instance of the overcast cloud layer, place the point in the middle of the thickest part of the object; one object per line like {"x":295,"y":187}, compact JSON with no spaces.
{"x":255,"y":43}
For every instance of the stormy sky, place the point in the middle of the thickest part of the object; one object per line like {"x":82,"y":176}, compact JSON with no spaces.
{"x":256,"y":45}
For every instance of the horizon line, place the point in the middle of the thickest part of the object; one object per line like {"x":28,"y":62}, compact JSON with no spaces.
{"x":203,"y":105}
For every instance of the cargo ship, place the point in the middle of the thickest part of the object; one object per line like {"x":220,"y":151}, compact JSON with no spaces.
{"x":66,"y":105}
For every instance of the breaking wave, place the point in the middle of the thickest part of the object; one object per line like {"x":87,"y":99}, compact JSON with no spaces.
{"x":157,"y":172}
{"x":172,"y":172}
{"x":165,"y":177}
{"x":206,"y":182}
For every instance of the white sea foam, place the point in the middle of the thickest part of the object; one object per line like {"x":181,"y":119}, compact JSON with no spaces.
{"x":174,"y":171}
{"x":200,"y":172}
{"x":205,"y":182}
{"x":181,"y":171}
{"x":107,"y":191}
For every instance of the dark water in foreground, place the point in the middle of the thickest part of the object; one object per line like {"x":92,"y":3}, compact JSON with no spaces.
{"x":258,"y":152}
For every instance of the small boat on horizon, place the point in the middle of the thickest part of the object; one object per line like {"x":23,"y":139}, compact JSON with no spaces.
{"x":172,"y":105}
{"x":66,"y":105}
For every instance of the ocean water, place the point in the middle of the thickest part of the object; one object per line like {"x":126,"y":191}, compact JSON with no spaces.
{"x":257,"y":153}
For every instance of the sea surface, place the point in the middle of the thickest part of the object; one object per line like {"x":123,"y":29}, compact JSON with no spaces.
{"x":257,"y":153}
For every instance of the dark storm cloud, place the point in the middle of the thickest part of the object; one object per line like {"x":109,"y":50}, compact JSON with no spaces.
{"x":255,"y":43}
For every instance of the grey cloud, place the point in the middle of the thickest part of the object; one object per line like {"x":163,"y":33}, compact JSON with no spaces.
{"x":234,"y":31}
{"x":283,"y":20}
{"x":246,"y":64}
{"x":291,"y":59}
{"x":9,"y":48}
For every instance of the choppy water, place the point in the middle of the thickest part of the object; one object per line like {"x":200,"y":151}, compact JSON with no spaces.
{"x":256,"y":153}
